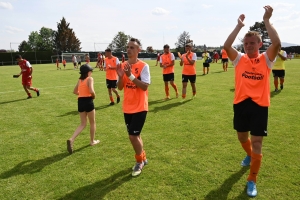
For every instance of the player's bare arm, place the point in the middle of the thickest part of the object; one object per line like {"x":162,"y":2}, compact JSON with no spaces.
{"x":75,"y":91}
{"x":273,"y":49}
{"x":120,"y":73}
{"x":232,"y":52}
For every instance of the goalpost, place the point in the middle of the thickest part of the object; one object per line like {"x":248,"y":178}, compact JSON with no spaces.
{"x":68,"y":57}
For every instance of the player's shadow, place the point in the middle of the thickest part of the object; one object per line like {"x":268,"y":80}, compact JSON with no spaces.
{"x":75,"y":112}
{"x":218,"y":72}
{"x":100,"y":189}
{"x":102,"y":107}
{"x":273,"y":93}
{"x":169,"y":106}
{"x":12,"y":101}
{"x":232,"y":90}
{"x":34,"y":166}
{"x":157,"y":101}
{"x":222,"y":192}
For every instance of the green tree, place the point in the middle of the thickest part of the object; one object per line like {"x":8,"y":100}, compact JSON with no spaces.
{"x":64,"y":37}
{"x":149,"y":49}
{"x":24,"y":47}
{"x":183,"y":39}
{"x":46,"y":40}
{"x":33,"y":40}
{"x":119,"y":42}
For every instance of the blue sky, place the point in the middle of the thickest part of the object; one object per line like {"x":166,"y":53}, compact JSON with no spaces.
{"x":154,"y":22}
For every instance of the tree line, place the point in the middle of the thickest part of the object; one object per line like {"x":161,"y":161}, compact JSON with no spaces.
{"x":64,"y":40}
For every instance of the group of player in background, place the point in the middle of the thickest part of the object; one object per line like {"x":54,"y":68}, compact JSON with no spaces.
{"x":251,"y":101}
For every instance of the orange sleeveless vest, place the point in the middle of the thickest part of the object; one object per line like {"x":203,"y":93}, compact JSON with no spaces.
{"x":252,"y":80}
{"x":111,"y":74}
{"x":224,"y":54}
{"x":188,"y":69}
{"x":83,"y":88}
{"x":166,"y":60}
{"x":135,"y":99}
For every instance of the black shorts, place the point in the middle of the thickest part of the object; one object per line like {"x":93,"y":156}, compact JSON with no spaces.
{"x":168,"y":77}
{"x":205,"y":64}
{"x":278,"y":73}
{"x":64,"y":65}
{"x":187,"y":78}
{"x":79,"y":63}
{"x":135,"y":122}
{"x":75,"y":63}
{"x":111,"y":84}
{"x":85,"y":104}
{"x":249,"y":116}
{"x":224,"y":60}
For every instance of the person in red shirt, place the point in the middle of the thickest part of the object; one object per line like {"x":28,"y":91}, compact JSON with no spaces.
{"x":26,"y":72}
{"x":64,"y":63}
{"x":134,"y":78}
{"x":86,"y":94}
{"x":252,"y":91}
{"x":57,"y":64}
{"x":158,"y":58}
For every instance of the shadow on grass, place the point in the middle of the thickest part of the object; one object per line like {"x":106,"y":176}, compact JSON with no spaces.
{"x":169,"y":106}
{"x":34,"y":166}
{"x":218,"y":72}
{"x":232,"y":90}
{"x":12,"y":101}
{"x":273,"y":93}
{"x":75,"y":112}
{"x":157,"y":101}
{"x":223,"y":191}
{"x":100,"y":189}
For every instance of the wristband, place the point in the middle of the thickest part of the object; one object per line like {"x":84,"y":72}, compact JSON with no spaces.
{"x":131,"y":77}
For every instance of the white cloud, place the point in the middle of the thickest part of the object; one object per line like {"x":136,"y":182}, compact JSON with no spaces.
{"x":159,"y":11}
{"x":206,"y":6}
{"x":6,"y":5}
{"x":13,"y":30}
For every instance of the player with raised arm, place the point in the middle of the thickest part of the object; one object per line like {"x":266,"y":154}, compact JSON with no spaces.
{"x":252,"y":92}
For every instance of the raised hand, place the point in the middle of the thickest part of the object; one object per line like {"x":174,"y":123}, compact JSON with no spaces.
{"x":127,"y":69}
{"x":241,"y":20}
{"x":268,"y":12}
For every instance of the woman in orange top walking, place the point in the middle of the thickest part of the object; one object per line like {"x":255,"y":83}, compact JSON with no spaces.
{"x":252,"y":92}
{"x":85,"y":91}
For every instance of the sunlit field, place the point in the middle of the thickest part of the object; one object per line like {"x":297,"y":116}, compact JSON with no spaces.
{"x":192,"y":149}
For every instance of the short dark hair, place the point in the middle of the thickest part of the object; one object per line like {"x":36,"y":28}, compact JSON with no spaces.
{"x":18,"y":56}
{"x":166,"y":46}
{"x":135,"y":40}
{"x":108,"y":50}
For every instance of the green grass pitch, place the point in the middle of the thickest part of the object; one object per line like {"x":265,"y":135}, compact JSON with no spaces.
{"x":192,"y":149}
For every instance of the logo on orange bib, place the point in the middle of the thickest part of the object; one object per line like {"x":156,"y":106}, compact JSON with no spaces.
{"x":253,"y":75}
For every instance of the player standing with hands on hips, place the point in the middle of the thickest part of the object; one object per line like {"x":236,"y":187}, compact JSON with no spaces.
{"x":252,"y":92}
{"x":134,"y":78}
{"x":26,"y":72}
